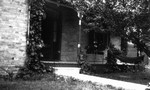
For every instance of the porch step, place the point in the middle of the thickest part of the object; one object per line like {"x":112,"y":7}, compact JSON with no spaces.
{"x":60,"y":64}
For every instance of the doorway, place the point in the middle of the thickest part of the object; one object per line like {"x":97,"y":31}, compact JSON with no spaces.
{"x":51,"y":35}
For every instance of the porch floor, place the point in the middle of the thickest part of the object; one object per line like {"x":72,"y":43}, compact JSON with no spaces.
{"x":69,"y":64}
{"x":74,"y":72}
{"x":60,"y":63}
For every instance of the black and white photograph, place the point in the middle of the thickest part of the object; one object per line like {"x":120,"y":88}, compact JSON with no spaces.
{"x":74,"y":44}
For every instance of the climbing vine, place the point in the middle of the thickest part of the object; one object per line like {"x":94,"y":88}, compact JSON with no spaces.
{"x":35,"y":43}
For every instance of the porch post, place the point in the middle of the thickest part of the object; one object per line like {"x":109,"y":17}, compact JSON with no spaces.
{"x":80,"y":15}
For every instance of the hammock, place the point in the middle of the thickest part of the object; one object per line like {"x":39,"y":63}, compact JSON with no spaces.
{"x":133,"y":60}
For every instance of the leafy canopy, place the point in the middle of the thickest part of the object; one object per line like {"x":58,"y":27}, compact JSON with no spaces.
{"x":127,"y":18}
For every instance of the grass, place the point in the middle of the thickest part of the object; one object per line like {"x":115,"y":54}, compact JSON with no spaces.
{"x":51,"y":82}
{"x":129,"y":75}
{"x":138,"y":77}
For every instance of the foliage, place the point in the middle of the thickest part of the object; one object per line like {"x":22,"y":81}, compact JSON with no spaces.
{"x":111,"y":59}
{"x":10,"y":74}
{"x":35,"y":43}
{"x":25,"y":73}
{"x":87,"y":68}
{"x":118,"y":16}
{"x":129,"y":19}
{"x":33,"y":65}
{"x":126,"y":18}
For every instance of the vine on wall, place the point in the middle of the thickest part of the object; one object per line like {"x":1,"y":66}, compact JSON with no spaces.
{"x":34,"y":39}
{"x":35,"y":42}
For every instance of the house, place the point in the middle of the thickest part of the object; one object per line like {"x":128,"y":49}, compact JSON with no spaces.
{"x":60,"y":35}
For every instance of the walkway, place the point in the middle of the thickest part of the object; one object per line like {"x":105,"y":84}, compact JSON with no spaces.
{"x":74,"y":72}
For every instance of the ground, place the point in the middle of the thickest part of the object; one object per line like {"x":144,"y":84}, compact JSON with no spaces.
{"x":50,"y":82}
{"x":134,"y":77}
{"x":132,"y":74}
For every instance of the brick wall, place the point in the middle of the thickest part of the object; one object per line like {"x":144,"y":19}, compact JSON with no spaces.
{"x":13,"y":27}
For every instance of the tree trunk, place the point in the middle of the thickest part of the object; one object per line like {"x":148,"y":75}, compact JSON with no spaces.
{"x":140,"y":44}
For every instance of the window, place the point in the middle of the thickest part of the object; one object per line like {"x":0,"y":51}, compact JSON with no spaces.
{"x":97,"y":42}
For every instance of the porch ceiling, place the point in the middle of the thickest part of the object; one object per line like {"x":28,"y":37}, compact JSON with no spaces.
{"x":54,"y":4}
{"x":53,"y":8}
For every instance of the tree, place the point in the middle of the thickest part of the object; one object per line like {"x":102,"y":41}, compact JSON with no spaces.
{"x":127,"y":18}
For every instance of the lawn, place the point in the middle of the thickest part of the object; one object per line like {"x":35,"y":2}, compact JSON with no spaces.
{"x":50,"y":82}
{"x":124,"y":73}
{"x":134,"y":77}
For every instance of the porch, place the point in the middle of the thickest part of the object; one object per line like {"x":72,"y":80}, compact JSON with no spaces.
{"x":63,"y":37}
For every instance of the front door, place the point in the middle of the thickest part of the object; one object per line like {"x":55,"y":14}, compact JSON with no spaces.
{"x":51,"y":35}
